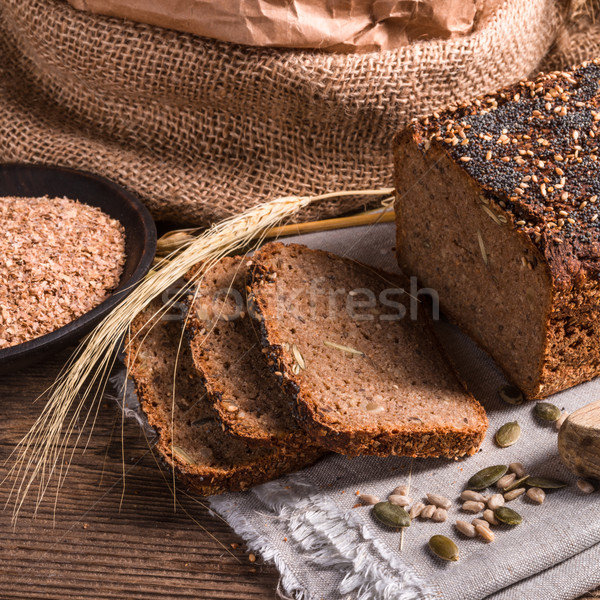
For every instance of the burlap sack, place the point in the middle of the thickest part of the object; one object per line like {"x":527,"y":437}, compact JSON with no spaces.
{"x":202,"y":129}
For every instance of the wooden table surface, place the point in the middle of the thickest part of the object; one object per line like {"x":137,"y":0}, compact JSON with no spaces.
{"x":111,"y":536}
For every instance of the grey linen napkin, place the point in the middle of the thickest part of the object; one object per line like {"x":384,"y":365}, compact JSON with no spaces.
{"x":325,"y":548}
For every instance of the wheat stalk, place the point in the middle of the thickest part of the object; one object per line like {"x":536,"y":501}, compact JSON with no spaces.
{"x":42,"y":453}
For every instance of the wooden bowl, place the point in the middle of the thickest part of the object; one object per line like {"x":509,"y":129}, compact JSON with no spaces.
{"x":140,"y":245}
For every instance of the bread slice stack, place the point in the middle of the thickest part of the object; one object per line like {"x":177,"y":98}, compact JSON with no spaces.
{"x":291,"y":354}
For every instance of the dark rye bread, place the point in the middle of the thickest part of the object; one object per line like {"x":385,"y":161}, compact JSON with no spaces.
{"x":206,"y":459}
{"x":227,"y":352}
{"x":497,"y":210}
{"x":364,"y":382}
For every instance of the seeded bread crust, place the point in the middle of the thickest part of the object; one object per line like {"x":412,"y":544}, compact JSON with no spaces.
{"x":226,"y":350}
{"x":319,"y":417}
{"x":532,"y":153}
{"x":230,"y":465}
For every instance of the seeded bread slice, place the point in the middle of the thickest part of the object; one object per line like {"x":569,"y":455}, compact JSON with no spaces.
{"x":227,"y":352}
{"x":365,"y":380}
{"x":190,"y":438}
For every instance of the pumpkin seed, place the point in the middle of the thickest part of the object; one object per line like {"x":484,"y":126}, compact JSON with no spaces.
{"x":546,"y":411}
{"x":444,"y":547}
{"x":486,"y":477}
{"x":517,"y":483}
{"x":546,"y":483}
{"x":508,"y":434}
{"x":391,"y":515}
{"x":508,"y":515}
{"x":511,"y":394}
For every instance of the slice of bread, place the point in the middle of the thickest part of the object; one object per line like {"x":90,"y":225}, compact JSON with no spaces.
{"x":190,"y":438}
{"x":227,"y":352}
{"x":366,"y":381}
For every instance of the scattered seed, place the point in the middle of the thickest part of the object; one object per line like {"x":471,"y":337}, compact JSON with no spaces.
{"x":368,"y":499}
{"x":401,"y":490}
{"x":489,"y":516}
{"x":391,"y":515}
{"x":517,"y":468}
{"x":486,"y":477}
{"x":495,"y":501}
{"x":298,"y":357}
{"x":479,"y":522}
{"x":546,"y":411}
{"x":230,"y":407}
{"x":465,"y":528}
{"x":472,"y":495}
{"x":440,"y":501}
{"x":252,"y":557}
{"x":546,"y":483}
{"x":342,"y":348}
{"x":374,"y":408}
{"x":537,"y":495}
{"x":508,"y":515}
{"x":508,"y":434}
{"x":440,"y":515}
{"x":416,"y":510}
{"x":558,"y":423}
{"x":511,"y":394}
{"x":514,"y":494}
{"x":428,"y":511}
{"x":485,"y":532}
{"x":474,"y":507}
{"x":505,"y":481}
{"x":399,"y":500}
{"x":444,"y":547}
{"x":465,"y":158}
{"x":517,"y":483}
{"x":585,"y":486}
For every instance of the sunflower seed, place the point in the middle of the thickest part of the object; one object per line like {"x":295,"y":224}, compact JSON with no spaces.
{"x":472,"y":495}
{"x":505,"y":481}
{"x":416,"y":510}
{"x":486,"y":477}
{"x":511,"y":394}
{"x":514,"y":494}
{"x":374,"y":408}
{"x":495,"y":501}
{"x":368,"y":499}
{"x":399,"y":500}
{"x":444,"y":547}
{"x":517,"y":468}
{"x":466,"y":528}
{"x":508,"y":434}
{"x":489,"y":516}
{"x":428,"y":511}
{"x":547,"y":411}
{"x":517,"y":483}
{"x":482,"y":248}
{"x":546,"y":483}
{"x":440,"y":515}
{"x":180,"y":453}
{"x":537,"y":495}
{"x":485,"y":532}
{"x":298,"y":357}
{"x":391,"y":515}
{"x":585,"y":486}
{"x":474,"y":507}
{"x":401,"y":490}
{"x":479,"y":522}
{"x":440,"y":501}
{"x":343,"y":348}
{"x":508,"y":515}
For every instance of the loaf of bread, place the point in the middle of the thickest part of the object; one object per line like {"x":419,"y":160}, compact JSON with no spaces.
{"x":497,"y":210}
{"x":226,"y":349}
{"x":365,"y":372}
{"x":190,"y":437}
